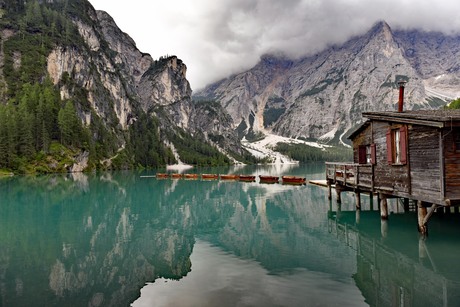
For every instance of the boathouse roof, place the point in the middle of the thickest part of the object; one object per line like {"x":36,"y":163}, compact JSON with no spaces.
{"x":433,"y":118}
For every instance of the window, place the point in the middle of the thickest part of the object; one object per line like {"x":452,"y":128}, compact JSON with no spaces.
{"x":396,"y":153}
{"x":397,"y":145}
{"x":366,"y":154}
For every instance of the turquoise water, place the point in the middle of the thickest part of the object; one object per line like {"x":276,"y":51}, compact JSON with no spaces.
{"x":119,"y":239}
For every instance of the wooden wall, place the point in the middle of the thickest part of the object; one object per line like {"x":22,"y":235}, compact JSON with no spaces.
{"x":363,"y":138}
{"x":452,"y":164}
{"x":424,"y":159}
{"x":387,"y":176}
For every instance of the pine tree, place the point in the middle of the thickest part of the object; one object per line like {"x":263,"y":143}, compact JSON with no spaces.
{"x":24,"y":129}
{"x":69,"y":125}
{"x":3,"y":137}
{"x":11,"y":128}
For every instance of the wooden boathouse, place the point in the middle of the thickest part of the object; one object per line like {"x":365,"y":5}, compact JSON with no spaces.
{"x":413,"y":155}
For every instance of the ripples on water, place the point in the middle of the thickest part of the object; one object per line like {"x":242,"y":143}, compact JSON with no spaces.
{"x":119,"y":239}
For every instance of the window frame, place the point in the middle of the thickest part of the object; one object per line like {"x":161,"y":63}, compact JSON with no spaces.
{"x":397,"y":145}
{"x":367,"y":154}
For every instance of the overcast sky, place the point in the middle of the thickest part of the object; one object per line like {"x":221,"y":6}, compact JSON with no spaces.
{"x":216,"y":38}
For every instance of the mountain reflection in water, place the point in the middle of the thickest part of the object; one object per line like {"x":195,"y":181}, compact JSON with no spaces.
{"x":219,"y":278}
{"x":116,"y":239}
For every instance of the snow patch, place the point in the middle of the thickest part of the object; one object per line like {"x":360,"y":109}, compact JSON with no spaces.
{"x":328,"y":136}
{"x":264,"y":148}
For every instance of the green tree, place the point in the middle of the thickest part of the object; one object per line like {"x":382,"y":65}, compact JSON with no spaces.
{"x":25,"y":146}
{"x":69,"y":125}
{"x":12,"y":135}
{"x":3,"y":137}
{"x":455,"y":104}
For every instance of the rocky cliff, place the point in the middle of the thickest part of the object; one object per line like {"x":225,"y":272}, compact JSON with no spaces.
{"x":112,"y":84}
{"x":321,"y":97}
{"x":128,"y":79}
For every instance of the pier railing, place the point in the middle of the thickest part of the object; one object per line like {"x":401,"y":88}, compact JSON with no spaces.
{"x":351,"y":174}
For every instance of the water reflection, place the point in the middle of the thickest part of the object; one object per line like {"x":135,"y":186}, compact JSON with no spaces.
{"x":96,"y":240}
{"x":219,"y":278}
{"x":395,"y":265}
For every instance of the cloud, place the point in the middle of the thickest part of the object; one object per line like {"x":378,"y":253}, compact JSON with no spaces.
{"x":218,"y":38}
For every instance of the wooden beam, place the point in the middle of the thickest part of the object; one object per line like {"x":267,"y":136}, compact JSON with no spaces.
{"x":430,"y":213}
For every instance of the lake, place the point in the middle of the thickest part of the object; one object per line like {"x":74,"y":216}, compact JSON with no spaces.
{"x":122,"y":239}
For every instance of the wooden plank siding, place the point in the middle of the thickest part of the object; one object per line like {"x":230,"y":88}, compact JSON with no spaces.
{"x":452,"y":163}
{"x":425,"y":162}
{"x":394,"y":178}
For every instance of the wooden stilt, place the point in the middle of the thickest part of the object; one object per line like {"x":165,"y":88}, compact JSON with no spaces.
{"x":456,"y":209}
{"x":421,"y":213}
{"x":406,"y":204}
{"x":358,"y":200}
{"x":383,"y":207}
{"x":338,"y":190}
{"x":371,"y":201}
{"x":329,"y":189}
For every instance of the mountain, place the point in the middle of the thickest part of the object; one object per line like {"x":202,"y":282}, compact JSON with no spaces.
{"x":321,"y":97}
{"x":76,"y":93}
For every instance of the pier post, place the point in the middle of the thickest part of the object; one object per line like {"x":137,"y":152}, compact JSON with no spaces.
{"x":383,"y":207}
{"x":421,"y":213}
{"x":329,"y":189}
{"x":358,"y":200}
{"x":338,"y":190}
{"x":406,"y":204}
{"x":371,"y":201}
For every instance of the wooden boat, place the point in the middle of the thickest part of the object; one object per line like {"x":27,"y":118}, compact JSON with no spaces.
{"x":268,"y":179}
{"x":162,"y":175}
{"x":229,"y":177}
{"x":191,"y":176}
{"x":247,"y":178}
{"x":176,"y":176}
{"x":293,"y":180}
{"x":209,"y":176}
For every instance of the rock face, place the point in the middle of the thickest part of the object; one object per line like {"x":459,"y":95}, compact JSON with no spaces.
{"x":117,"y":76}
{"x":321,"y":97}
{"x":119,"y":81}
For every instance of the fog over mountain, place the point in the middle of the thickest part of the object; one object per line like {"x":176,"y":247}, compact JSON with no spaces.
{"x":322,"y":96}
{"x":218,"y":38}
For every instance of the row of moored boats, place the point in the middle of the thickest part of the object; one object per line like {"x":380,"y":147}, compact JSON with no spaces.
{"x":246,"y":178}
